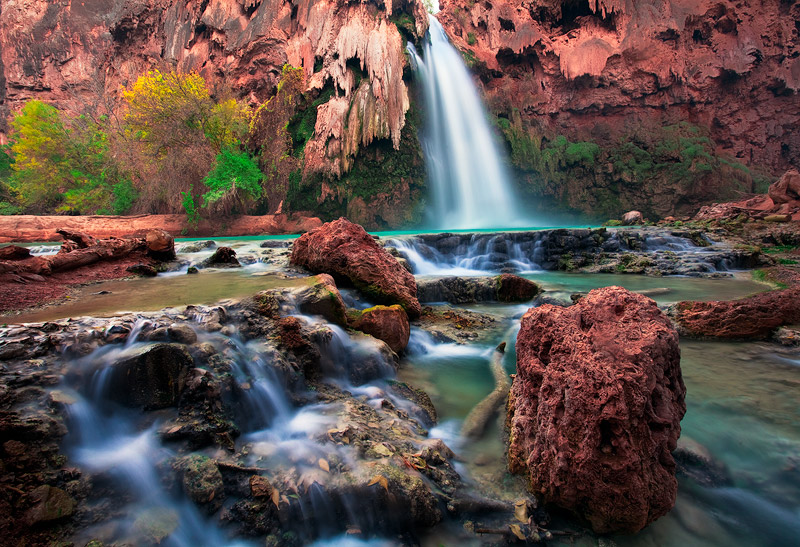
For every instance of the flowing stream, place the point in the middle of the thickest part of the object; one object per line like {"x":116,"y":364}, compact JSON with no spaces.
{"x":742,"y":411}
{"x":470,"y":185}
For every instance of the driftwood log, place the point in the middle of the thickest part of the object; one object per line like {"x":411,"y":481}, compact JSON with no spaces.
{"x":78,"y":250}
{"x":477,"y":420}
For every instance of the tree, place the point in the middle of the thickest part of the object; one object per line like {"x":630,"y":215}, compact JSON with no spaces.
{"x":176,"y":129}
{"x":62,"y":163}
{"x":234,"y":181}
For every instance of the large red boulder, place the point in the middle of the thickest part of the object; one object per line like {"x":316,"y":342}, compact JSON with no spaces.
{"x":595,"y":408}
{"x":786,"y":189}
{"x":754,"y":317}
{"x":160,"y":244}
{"x":387,"y":323}
{"x":346,"y":251}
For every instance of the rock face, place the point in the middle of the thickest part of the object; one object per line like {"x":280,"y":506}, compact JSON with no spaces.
{"x":26,"y":228}
{"x":79,"y":57}
{"x":345,"y":251}
{"x":780,"y":204}
{"x":153,"y":377}
{"x":748,"y":318}
{"x":595,"y":408}
{"x":387,"y":323}
{"x":594,"y":72}
{"x":467,"y":290}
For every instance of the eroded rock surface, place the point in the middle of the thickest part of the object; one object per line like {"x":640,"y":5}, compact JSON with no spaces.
{"x":755,"y":317}
{"x":595,"y":408}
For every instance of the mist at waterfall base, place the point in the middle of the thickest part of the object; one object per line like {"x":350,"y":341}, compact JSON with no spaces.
{"x":470,"y":186}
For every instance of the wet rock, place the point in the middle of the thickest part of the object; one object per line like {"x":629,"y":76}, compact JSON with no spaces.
{"x":595,"y":408}
{"x":49,"y":503}
{"x":160,"y":245}
{"x":151,"y":377}
{"x":145,"y":270}
{"x":387,"y":323}
{"x":457,"y":290}
{"x":427,"y":412}
{"x":344,"y":250}
{"x":14,"y":252}
{"x":192,"y":270}
{"x":202,"y":482}
{"x":196,"y":246}
{"x":224,"y":257}
{"x":755,"y":317}
{"x":322,"y":298}
{"x":182,"y":333}
{"x":632,"y":217}
{"x":275,"y":244}
{"x":513,"y":288}
{"x":260,"y":487}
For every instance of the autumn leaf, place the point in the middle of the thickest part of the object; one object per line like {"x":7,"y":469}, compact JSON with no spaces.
{"x":517,"y":531}
{"x":380,"y":479}
{"x":276,"y":497}
{"x":521,"y":511}
{"x":323,"y":464}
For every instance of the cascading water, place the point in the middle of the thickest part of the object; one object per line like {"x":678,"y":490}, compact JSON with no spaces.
{"x":471,"y":188}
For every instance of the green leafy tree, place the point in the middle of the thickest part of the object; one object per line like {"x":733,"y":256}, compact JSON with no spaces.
{"x":61,"y":163}
{"x":234,"y":182}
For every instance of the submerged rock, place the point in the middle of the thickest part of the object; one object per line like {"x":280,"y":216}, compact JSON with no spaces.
{"x":152,"y":377}
{"x":469,"y":290}
{"x":595,"y":408}
{"x":387,"y":323}
{"x":223,"y":257}
{"x":345,"y":251}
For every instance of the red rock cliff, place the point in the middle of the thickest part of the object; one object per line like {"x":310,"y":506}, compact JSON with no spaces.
{"x":77,"y":55}
{"x":599,"y":71}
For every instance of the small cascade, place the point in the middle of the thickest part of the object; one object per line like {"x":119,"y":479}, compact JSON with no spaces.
{"x":112,"y":441}
{"x":470,"y":185}
{"x":472,"y":255}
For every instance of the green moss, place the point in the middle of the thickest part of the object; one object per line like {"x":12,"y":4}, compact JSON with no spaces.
{"x":471,"y":39}
{"x":780,"y":249}
{"x":612,"y":222}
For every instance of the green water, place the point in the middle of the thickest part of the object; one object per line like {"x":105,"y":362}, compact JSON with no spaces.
{"x":152,"y":294}
{"x":743,"y":408}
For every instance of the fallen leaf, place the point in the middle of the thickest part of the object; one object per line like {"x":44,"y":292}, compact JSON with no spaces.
{"x":521,"y":511}
{"x":381,"y":450}
{"x":517,"y":531}
{"x":276,"y":497}
{"x":172,"y":430}
{"x":324,"y":465}
{"x":380,"y":479}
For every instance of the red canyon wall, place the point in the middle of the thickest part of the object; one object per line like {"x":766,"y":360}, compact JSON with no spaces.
{"x":602,"y":71}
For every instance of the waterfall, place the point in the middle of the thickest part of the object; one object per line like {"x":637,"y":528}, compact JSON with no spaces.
{"x":471,"y":187}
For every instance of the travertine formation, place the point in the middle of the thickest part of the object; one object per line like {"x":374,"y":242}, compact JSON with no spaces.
{"x":595,"y":408}
{"x":78,"y":54}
